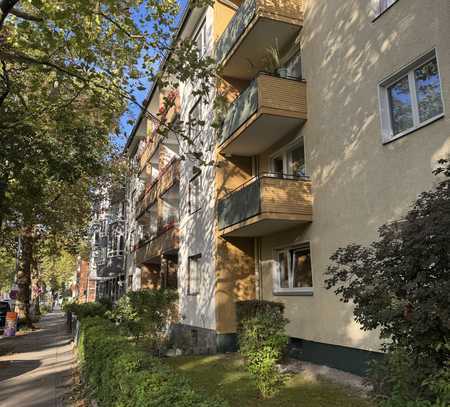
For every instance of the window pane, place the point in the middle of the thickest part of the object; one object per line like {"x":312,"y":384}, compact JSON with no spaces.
{"x":278,"y":165}
{"x":297,"y":162}
{"x":400,"y":106}
{"x":428,"y":91}
{"x":193,"y":276}
{"x":283,"y":270}
{"x":301,"y":268}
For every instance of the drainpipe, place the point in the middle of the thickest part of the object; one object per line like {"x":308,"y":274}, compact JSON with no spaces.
{"x":258,"y":269}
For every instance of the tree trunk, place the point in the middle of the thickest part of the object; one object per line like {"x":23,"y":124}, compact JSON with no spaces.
{"x":24,"y":276}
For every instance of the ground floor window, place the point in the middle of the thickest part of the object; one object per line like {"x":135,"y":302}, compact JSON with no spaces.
{"x":293,"y":270}
{"x":193,"y":274}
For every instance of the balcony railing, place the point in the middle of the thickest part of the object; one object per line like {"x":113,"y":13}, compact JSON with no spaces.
{"x":257,"y":25}
{"x":169,"y":175}
{"x":265,"y":204}
{"x":148,"y":199}
{"x":237,"y":25}
{"x":264,"y":113}
{"x":166,"y":240}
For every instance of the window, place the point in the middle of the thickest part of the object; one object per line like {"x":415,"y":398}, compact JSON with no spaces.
{"x":200,"y":39}
{"x":195,"y":120}
{"x":293,"y":270}
{"x":195,"y":192}
{"x":193,"y":274}
{"x":385,"y":4}
{"x":411,"y":99}
{"x":290,"y":162}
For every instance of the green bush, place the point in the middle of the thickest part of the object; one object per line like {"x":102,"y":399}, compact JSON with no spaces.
{"x":87,"y":309}
{"x":146,"y":314}
{"x":120,"y":374}
{"x":262,"y":341}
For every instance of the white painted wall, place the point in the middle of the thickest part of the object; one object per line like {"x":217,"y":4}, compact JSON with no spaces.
{"x":197,"y":230}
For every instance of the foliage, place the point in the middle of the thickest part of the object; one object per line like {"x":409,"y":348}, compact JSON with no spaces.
{"x":262,"y":341}
{"x":146,"y":313}
{"x":86,"y":310}
{"x":119,"y":374}
{"x":400,"y":283}
{"x":7,"y":270}
{"x":58,"y":271}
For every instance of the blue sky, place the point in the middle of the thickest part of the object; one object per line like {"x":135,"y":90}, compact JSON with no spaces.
{"x":133,"y":110}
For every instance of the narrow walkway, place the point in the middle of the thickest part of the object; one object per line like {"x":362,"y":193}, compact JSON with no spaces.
{"x":36,"y":368}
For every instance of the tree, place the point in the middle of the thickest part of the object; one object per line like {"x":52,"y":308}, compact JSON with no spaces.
{"x":7,"y":270}
{"x":67,"y":72}
{"x":400,"y":283}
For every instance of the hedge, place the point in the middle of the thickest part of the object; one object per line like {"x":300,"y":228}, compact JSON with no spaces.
{"x":120,"y":374}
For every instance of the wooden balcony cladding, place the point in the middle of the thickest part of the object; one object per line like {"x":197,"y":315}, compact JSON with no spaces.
{"x":265,"y":205}
{"x":149,"y":149}
{"x":169,"y":176}
{"x":148,"y":199}
{"x":269,"y":109}
{"x":254,"y":27}
{"x":166,"y":241}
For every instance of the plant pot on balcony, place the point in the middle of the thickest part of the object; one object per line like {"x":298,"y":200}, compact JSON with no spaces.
{"x":282,"y":72}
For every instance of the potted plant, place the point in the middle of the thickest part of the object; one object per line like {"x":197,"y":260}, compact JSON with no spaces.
{"x":272,"y":61}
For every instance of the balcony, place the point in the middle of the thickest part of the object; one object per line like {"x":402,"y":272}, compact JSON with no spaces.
{"x":147,"y":199}
{"x":169,"y":176}
{"x":166,"y":241}
{"x":148,"y":151}
{"x":264,"y":205}
{"x":268,"y":110}
{"x":257,"y":25}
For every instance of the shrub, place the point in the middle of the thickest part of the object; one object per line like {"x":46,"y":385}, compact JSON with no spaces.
{"x":120,"y":374}
{"x":400,"y":284}
{"x":262,"y":341}
{"x":146,"y":314}
{"x":87,"y":309}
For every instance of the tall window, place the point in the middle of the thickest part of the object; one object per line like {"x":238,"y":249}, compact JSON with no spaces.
{"x":193,"y":274}
{"x":293,"y":272}
{"x":195,"y":192}
{"x":196,"y":119}
{"x":412,"y":98}
{"x":200,"y":39}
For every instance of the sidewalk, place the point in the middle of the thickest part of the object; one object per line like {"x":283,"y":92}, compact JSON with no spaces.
{"x":36,"y":368}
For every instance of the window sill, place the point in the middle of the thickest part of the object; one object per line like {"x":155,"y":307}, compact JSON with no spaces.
{"x":293,"y":293}
{"x":384,"y":11}
{"x":413,"y":129}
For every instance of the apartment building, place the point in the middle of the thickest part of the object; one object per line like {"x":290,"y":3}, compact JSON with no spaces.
{"x":337,"y":118}
{"x":107,"y":234}
{"x":84,"y":288}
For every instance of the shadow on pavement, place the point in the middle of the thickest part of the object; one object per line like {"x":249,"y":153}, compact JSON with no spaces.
{"x":16,"y":368}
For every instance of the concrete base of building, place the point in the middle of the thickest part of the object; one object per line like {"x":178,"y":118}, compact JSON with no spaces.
{"x":344,"y":358}
{"x":193,"y":340}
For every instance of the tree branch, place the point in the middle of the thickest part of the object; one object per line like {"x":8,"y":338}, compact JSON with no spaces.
{"x":25,"y":16}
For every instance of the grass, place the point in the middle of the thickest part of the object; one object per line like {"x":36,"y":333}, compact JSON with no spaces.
{"x":224,"y":375}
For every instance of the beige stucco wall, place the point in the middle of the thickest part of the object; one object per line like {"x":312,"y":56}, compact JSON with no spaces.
{"x":358,"y":183}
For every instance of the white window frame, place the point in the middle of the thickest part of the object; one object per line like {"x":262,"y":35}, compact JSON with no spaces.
{"x":201,"y":31}
{"x":285,"y":153}
{"x":194,"y":208}
{"x":387,"y":133}
{"x":277,"y":289}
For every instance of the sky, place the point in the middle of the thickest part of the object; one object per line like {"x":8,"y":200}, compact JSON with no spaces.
{"x":133,"y":110}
